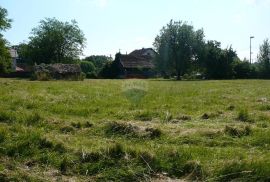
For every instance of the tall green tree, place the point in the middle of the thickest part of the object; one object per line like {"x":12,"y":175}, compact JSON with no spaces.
{"x":99,"y":61}
{"x":54,"y":41}
{"x":217,"y":63}
{"x":178,"y":45}
{"x":264,"y":59}
{"x":5,"y":59}
{"x":243,"y":69}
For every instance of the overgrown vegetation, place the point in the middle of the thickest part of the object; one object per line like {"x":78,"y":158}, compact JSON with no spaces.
{"x":184,"y":53}
{"x":90,"y":131}
{"x":5,"y":58}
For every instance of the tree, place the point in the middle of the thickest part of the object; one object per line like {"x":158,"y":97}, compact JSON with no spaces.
{"x":178,"y":45}
{"x":89,"y":69}
{"x":5,"y":23}
{"x":98,"y":61}
{"x":5,"y":59}
{"x":111,"y":69}
{"x":54,"y":41}
{"x":216,"y":62}
{"x":264,"y":59}
{"x":243,"y":69}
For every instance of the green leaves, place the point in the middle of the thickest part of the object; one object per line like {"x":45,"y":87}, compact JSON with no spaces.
{"x":177,"y":46}
{"x":5,"y":23}
{"x":5,"y":60}
{"x":54,"y":41}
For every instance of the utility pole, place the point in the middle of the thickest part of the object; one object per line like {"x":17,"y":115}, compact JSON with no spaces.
{"x":251,"y":37}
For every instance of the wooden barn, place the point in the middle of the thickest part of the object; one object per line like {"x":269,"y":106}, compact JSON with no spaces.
{"x":137,"y":64}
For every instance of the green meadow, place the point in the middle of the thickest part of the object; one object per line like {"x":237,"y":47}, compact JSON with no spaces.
{"x":134,"y":130}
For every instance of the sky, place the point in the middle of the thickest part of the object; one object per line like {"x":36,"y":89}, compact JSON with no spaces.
{"x":110,"y":25}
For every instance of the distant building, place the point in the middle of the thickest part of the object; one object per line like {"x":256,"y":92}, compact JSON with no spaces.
{"x":137,"y":64}
{"x":58,"y":71}
{"x":15,"y":57}
{"x":149,"y":52}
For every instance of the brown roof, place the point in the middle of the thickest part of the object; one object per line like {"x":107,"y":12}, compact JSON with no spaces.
{"x":66,"y":68}
{"x":58,"y":68}
{"x":130,"y":61}
{"x":141,"y":52}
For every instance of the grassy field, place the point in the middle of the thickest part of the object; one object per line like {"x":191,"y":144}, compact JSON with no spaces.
{"x":134,"y":130}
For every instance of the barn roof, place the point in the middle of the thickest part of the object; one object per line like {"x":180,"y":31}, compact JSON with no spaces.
{"x":141,"y":52}
{"x":130,"y":61}
{"x":58,"y":68}
{"x":66,"y":68}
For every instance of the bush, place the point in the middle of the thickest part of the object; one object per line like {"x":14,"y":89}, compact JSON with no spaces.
{"x":5,"y":59}
{"x":41,"y":76}
{"x":92,"y":75}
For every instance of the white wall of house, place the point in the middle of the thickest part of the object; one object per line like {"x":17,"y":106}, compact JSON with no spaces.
{"x":14,"y":56}
{"x":149,"y":52}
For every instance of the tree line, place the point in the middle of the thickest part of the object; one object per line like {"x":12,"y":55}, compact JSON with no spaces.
{"x":182,"y":51}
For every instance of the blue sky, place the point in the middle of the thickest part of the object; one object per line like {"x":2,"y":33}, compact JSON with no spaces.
{"x":110,"y":25}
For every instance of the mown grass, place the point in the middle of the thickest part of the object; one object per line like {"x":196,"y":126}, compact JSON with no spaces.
{"x":134,"y":130}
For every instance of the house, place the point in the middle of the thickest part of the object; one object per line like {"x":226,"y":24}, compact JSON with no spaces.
{"x":14,"y":56}
{"x":137,"y":64}
{"x":149,"y":52}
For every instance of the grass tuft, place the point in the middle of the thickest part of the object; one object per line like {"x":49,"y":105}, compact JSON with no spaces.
{"x":244,"y":116}
{"x":193,"y":170}
{"x":116,"y":151}
{"x":76,"y":125}
{"x":153,"y":132}
{"x":238,"y":132}
{"x":184,"y":117}
{"x":231,"y":108}
{"x":121,"y":129}
{"x":209,"y":115}
{"x":67,"y":129}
